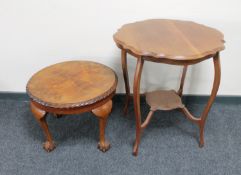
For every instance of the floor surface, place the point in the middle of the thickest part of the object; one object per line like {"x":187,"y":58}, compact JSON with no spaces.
{"x":168,"y":146}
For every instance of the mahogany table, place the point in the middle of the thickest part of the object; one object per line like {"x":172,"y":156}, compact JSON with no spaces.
{"x":72,"y":87}
{"x":173,"y":42}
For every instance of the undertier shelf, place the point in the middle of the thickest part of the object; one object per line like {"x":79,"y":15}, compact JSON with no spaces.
{"x":163,"y":100}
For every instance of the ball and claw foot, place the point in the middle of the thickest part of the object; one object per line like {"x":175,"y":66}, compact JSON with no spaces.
{"x":104,"y":146}
{"x":49,"y":146}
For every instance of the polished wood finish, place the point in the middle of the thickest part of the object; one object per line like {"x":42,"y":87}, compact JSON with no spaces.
{"x":202,"y":119}
{"x":136,"y":96}
{"x":216,"y":83}
{"x":72,"y":87}
{"x":91,"y":81}
{"x":40,"y":116}
{"x":126,"y":79}
{"x":163,"y":100}
{"x":184,"y":72}
{"x":102,"y":112}
{"x":170,"y":39}
{"x":174,"y":42}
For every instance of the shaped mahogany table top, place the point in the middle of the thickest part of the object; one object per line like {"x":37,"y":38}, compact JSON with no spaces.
{"x":169,"y":39}
{"x":72,"y":84}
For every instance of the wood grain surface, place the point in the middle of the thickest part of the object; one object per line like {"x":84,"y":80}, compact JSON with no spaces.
{"x":163,"y":100}
{"x":169,"y":39}
{"x":72,"y":84}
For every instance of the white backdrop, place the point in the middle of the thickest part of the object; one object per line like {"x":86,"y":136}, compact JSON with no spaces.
{"x":37,"y":33}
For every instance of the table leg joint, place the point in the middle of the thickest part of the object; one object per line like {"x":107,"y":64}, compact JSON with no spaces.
{"x":190,"y":116}
{"x":147,"y":120}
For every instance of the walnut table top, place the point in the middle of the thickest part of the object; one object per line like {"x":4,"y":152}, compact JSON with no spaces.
{"x":72,"y":84}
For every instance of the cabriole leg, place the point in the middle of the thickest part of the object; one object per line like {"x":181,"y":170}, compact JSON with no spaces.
{"x":40,"y":116}
{"x":217,"y":77}
{"x":102,"y":113}
{"x":136,"y":96}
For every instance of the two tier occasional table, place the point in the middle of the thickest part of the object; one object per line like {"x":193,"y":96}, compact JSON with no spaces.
{"x":173,"y":42}
{"x":72,"y":87}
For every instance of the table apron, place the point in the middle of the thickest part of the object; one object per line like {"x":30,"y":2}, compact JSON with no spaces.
{"x":75,"y":110}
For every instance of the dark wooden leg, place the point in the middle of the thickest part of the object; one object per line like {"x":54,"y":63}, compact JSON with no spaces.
{"x":202,"y":119}
{"x":58,"y":115}
{"x":201,"y":134}
{"x":136,"y":96}
{"x":217,"y":77}
{"x":40,"y":116}
{"x":102,"y":113}
{"x":184,"y":72}
{"x":103,"y":145}
{"x":126,"y":79}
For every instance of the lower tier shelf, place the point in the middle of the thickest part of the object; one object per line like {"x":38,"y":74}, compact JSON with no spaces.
{"x":163,"y":100}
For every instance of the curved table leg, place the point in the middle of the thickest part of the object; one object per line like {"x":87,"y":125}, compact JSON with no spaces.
{"x":40,"y":116}
{"x":126,"y":79}
{"x":202,"y":119}
{"x":217,"y":77}
{"x":102,"y":113}
{"x":136,"y":96}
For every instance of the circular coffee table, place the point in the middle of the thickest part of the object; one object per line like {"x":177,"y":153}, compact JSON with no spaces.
{"x":171,"y":42}
{"x":72,"y":87}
